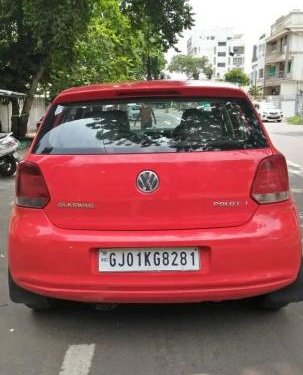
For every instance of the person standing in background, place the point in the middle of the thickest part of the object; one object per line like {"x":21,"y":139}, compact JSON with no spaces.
{"x":146,"y":116}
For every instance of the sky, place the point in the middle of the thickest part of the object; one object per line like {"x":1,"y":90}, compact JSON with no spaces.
{"x":250,"y":17}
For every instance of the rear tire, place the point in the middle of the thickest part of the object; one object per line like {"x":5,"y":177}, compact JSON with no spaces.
{"x":33,"y":301}
{"x":10,"y":166}
{"x":44,"y":304}
{"x":266,"y":303}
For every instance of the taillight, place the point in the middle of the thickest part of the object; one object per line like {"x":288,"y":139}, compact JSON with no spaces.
{"x":31,"y":189}
{"x":271,"y":180}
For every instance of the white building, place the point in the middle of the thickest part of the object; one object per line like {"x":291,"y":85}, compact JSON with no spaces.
{"x":258,"y":62}
{"x":284,"y":63}
{"x":223,"y":48}
{"x":37,"y":110}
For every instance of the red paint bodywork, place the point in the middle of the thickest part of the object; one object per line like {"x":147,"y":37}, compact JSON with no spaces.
{"x":245,"y":251}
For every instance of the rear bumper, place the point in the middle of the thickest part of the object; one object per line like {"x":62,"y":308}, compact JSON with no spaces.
{"x":260,"y":257}
{"x":291,"y":293}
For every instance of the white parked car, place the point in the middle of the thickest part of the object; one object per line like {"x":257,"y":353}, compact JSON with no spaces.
{"x":268,"y":112}
{"x":133,"y":111}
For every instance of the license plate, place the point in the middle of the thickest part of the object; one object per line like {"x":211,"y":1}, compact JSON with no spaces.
{"x":143,"y":259}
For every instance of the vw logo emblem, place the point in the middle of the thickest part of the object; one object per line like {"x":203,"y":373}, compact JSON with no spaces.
{"x":147,"y":181}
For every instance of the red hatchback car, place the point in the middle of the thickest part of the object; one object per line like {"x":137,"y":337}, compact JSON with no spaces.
{"x":187,"y":202}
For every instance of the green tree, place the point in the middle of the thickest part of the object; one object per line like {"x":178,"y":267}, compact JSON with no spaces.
{"x":50,"y":45}
{"x":161,"y":23}
{"x":35,"y":36}
{"x":237,"y":76}
{"x":208,"y":71}
{"x":190,"y":65}
{"x":255,"y":91}
{"x":108,"y":52}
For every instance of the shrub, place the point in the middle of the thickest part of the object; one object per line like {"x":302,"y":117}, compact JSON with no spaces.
{"x":295,"y":120}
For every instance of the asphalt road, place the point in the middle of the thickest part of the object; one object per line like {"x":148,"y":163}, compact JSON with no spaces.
{"x":208,"y":339}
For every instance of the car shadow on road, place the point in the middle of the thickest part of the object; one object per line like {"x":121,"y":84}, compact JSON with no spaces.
{"x":227,"y":338}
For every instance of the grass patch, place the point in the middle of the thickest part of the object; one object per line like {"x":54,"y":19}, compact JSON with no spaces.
{"x":295,"y":120}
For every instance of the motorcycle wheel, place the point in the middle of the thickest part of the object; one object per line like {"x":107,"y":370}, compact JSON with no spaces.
{"x":9,"y":167}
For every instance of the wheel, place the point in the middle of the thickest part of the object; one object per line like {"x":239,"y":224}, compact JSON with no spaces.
{"x":33,"y":301}
{"x":42,"y":305}
{"x":9,"y":167}
{"x":266,"y":303}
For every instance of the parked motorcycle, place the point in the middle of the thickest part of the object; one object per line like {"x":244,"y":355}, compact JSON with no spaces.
{"x":8,"y":157}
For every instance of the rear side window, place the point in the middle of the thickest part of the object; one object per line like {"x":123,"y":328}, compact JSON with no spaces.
{"x":116,"y":127}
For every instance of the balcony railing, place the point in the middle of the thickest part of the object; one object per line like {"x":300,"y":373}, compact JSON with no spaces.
{"x":275,"y":56}
{"x":278,"y":76}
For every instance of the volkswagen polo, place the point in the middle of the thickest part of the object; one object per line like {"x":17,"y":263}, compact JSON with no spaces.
{"x":195,"y":208}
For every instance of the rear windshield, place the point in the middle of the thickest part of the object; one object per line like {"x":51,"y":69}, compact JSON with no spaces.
{"x":137,"y":127}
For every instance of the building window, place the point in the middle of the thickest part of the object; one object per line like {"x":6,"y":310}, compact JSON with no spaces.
{"x":221,"y":44}
{"x":272,"y":47}
{"x":229,"y":61}
{"x":215,"y":50}
{"x":281,"y":45}
{"x":261,"y":73}
{"x":239,"y":50}
{"x":289,"y":67}
{"x":221,"y":65}
{"x":238,"y":61}
{"x":212,"y":38}
{"x":281,"y":68}
{"x":272,"y":71}
{"x":221,"y":54}
{"x":215,"y":61}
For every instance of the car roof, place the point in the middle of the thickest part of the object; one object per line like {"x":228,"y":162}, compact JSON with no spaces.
{"x":149,"y":89}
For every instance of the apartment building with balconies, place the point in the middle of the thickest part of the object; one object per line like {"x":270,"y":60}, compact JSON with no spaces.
{"x":222,"y":46}
{"x":284,"y":61}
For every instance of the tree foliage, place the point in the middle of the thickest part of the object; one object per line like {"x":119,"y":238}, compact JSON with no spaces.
{"x":255,"y":91}
{"x":208,"y":71}
{"x":108,"y":52}
{"x":161,"y":23}
{"x":35,"y":35}
{"x":237,"y":76}
{"x":52,"y":45}
{"x":163,"y":20}
{"x":190,"y":65}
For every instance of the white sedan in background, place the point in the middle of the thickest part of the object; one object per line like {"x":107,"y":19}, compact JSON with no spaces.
{"x":268,"y":112}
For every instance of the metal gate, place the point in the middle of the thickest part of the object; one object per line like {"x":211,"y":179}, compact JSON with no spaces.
{"x":299,"y":103}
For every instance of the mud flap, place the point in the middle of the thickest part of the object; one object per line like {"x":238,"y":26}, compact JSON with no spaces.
{"x":291,"y":293}
{"x":20,"y":295}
